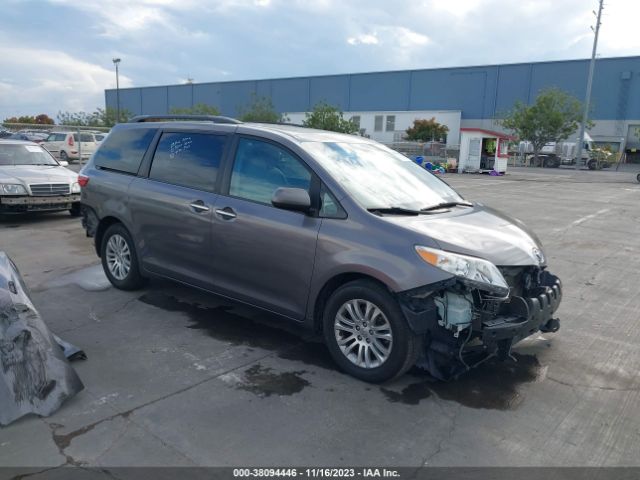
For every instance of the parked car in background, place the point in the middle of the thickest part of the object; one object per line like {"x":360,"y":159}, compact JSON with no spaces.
{"x":99,"y":137}
{"x":32,"y":180}
{"x":4,"y":133}
{"x":68,"y":145}
{"x":336,"y":232}
{"x":37,"y":136}
{"x":28,"y":137}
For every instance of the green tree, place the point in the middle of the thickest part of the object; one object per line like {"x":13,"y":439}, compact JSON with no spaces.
{"x":197,"y":109}
{"x":551,"y":118}
{"x":72,"y":118}
{"x":328,"y":117}
{"x":261,"y":109}
{"x":106,"y":117}
{"x":426,"y":130}
{"x":42,"y":119}
{"x":100,"y":117}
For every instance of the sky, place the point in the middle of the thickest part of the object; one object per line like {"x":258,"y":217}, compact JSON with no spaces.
{"x":56,"y":55}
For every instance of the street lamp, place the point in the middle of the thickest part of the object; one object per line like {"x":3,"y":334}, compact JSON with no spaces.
{"x":587,"y":99}
{"x":116,"y":61}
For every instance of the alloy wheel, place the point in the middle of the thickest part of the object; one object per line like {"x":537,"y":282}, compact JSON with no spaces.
{"x":363,"y":333}
{"x":118,"y":257}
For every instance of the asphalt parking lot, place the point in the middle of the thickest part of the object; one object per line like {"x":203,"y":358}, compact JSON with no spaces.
{"x":177,"y":377}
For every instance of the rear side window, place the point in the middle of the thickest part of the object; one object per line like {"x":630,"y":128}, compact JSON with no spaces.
{"x":188,"y":159}
{"x":123,"y":149}
{"x":85,"y":137}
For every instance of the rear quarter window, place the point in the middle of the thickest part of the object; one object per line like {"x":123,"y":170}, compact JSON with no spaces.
{"x":123,"y":150}
{"x":84,"y":137}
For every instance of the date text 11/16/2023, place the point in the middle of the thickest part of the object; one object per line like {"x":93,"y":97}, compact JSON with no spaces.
{"x":315,"y":472}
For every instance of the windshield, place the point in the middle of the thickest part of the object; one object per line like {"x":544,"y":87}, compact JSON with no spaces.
{"x":25,"y":155}
{"x":378,"y":177}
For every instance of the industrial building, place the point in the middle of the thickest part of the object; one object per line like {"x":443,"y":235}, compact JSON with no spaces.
{"x":385,"y":103}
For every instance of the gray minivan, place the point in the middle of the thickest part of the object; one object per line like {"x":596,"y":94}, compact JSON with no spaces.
{"x":336,"y":232}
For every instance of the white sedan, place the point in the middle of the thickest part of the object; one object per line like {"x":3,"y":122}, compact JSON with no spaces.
{"x":32,"y":180}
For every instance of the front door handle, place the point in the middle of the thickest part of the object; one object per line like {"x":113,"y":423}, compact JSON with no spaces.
{"x":199,"y":206}
{"x":227,"y":213}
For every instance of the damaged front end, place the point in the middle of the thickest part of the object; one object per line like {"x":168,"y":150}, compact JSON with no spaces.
{"x":466,"y":324}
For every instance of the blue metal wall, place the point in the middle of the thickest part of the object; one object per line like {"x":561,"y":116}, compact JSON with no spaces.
{"x":479,"y":92}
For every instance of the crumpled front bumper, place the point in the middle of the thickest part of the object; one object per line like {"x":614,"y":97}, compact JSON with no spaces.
{"x":21,"y":204}
{"x":523,"y":316}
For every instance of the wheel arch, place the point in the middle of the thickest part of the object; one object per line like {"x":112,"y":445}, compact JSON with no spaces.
{"x":333,"y":284}
{"x":104,"y":224}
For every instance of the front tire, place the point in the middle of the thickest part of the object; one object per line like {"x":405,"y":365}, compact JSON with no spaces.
{"x":76,"y":209}
{"x":119,"y":258}
{"x":63,"y":156}
{"x":367,"y":334}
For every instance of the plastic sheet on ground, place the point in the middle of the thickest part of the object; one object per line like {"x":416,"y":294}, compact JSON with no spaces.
{"x":35,"y":375}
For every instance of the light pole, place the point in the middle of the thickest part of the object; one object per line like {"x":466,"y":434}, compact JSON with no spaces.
{"x":587,"y":99}
{"x":116,"y":61}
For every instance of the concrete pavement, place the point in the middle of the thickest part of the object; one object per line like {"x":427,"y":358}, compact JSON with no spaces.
{"x":177,"y":377}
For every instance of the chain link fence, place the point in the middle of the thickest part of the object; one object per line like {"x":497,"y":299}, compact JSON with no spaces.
{"x":436,"y":153}
{"x":41,"y":133}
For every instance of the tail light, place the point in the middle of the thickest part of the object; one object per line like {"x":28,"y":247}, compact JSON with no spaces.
{"x":70,"y":141}
{"x":83,"y":181}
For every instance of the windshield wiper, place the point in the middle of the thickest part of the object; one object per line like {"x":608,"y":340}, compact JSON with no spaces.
{"x":393,"y":211}
{"x":442,"y":205}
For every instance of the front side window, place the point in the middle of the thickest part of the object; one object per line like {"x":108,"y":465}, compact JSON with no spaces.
{"x":260,"y":168}
{"x":329,"y":206}
{"x":378,"y":177}
{"x":188,"y":159}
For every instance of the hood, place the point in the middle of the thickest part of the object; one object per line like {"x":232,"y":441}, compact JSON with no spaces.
{"x":37,"y":174}
{"x":479,"y":231}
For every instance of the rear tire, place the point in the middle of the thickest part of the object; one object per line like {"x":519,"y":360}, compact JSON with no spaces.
{"x":592,"y":164}
{"x":362,"y":316}
{"x":119,"y":259}
{"x":638,"y":178}
{"x":63,"y":156}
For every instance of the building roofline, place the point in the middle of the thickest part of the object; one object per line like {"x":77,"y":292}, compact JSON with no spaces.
{"x":493,"y":133}
{"x":377,"y":72}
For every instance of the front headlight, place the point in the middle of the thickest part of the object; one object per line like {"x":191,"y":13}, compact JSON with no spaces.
{"x":12,"y":189}
{"x":476,"y":271}
{"x":75,"y":187}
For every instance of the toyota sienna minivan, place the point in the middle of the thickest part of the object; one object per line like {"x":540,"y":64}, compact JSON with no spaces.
{"x":335,"y":232}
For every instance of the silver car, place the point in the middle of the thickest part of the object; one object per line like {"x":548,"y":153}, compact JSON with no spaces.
{"x":32,"y":180}
{"x":335,"y":232}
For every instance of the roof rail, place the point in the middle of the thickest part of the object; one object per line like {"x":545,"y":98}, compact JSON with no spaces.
{"x":198,"y":118}
{"x":288,"y":124}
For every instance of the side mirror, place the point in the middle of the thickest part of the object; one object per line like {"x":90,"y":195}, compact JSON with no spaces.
{"x":295,"y":199}
{"x":63,"y":163}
